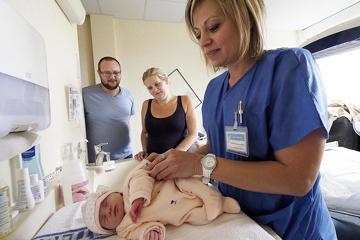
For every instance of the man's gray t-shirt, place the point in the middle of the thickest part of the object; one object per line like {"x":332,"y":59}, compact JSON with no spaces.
{"x":107,"y":121}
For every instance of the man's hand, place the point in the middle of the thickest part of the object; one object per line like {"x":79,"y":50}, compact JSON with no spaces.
{"x":136,"y":208}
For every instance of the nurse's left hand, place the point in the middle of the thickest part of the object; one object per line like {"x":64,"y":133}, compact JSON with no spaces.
{"x":174,"y":164}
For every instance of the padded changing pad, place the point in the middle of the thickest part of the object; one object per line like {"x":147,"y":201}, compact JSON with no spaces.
{"x":67,"y":224}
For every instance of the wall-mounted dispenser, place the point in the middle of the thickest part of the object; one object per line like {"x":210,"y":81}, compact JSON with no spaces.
{"x":24,"y":92}
{"x":73,"y":10}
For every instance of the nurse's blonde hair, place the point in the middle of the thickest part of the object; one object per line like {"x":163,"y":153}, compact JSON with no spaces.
{"x":155,"y":72}
{"x":247,"y":15}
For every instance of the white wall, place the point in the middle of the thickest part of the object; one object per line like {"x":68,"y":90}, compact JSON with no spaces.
{"x":342,"y":20}
{"x":63,"y":69}
{"x":276,"y":38}
{"x":86,"y":54}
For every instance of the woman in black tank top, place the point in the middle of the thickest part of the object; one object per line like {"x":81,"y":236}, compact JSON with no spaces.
{"x":167,"y":121}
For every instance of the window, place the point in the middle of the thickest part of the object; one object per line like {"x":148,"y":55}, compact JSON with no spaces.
{"x":338,"y":57}
{"x":341,"y":76}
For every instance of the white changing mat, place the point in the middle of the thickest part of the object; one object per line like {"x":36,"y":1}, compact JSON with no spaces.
{"x":340,"y":179}
{"x":67,"y":224}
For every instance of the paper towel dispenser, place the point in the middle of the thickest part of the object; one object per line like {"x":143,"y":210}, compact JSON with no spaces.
{"x":24,"y":92}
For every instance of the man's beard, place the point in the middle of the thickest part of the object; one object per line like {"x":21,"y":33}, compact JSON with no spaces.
{"x":110,"y":87}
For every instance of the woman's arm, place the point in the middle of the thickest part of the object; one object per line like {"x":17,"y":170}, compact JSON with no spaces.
{"x":204,"y":149}
{"x":293,"y":172}
{"x":191,"y":124}
{"x":143,"y":154}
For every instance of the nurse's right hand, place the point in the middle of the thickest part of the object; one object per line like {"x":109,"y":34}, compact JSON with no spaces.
{"x":174,"y":164}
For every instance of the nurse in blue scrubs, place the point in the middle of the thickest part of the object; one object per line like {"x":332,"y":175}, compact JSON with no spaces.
{"x":265,"y":119}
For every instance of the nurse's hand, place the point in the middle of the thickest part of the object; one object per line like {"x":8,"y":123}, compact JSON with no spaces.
{"x":174,"y":164}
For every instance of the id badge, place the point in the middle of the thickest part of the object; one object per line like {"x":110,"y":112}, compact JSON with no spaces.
{"x":237,"y":140}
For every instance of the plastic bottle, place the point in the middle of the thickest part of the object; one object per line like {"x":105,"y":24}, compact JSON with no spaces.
{"x":74,"y":180}
{"x":31,"y":160}
{"x":37,"y":188}
{"x":6,"y":223}
{"x":25,"y":198}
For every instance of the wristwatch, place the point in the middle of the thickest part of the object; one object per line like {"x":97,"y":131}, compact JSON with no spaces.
{"x":208,"y":165}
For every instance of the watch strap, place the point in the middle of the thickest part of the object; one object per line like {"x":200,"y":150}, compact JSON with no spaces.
{"x":206,"y":176}
{"x":206,"y":172}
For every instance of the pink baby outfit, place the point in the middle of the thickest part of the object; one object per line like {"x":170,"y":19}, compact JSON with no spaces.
{"x":170,"y":202}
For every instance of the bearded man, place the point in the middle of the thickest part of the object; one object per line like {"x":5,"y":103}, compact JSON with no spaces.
{"x":108,"y":108}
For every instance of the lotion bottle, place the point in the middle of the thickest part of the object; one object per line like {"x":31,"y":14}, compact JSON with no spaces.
{"x":6,"y":223}
{"x":74,"y":180}
{"x":25,"y":198}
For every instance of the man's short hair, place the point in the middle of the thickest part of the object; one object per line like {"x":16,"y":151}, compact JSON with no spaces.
{"x":107,"y":58}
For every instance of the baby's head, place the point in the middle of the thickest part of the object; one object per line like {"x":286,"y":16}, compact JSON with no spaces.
{"x":103,"y":211}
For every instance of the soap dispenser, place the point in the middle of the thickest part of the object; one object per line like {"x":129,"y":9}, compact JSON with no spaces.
{"x":74,"y":180}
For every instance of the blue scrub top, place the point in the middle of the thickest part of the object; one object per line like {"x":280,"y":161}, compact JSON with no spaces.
{"x":284,"y":100}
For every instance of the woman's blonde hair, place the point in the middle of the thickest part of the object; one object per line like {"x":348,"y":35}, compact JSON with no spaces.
{"x":247,"y":15}
{"x":155,"y":72}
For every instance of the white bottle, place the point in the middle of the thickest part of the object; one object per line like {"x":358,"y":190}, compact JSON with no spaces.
{"x":37,"y":188}
{"x":25,"y":198}
{"x":74,"y":180}
{"x":6,"y":223}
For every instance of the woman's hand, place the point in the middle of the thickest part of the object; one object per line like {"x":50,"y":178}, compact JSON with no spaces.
{"x":174,"y":164}
{"x":136,"y":208}
{"x":152,"y":235}
{"x":141,"y":155}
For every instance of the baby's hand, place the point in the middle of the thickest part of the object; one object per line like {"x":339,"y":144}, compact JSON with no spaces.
{"x":141,"y":155}
{"x":136,"y":208}
{"x":152,"y":235}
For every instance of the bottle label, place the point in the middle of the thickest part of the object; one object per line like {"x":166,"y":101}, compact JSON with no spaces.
{"x":31,"y":160}
{"x":37,"y":193}
{"x":80,"y":191}
{"x":6,"y":224}
{"x":21,"y":201}
{"x":27,"y":155}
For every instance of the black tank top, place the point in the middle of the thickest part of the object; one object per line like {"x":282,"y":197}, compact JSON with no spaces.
{"x":165,"y":133}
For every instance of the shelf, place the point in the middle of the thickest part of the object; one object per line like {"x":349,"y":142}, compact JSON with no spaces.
{"x":29,"y":222}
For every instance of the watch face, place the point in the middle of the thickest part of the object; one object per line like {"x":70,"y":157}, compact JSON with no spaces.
{"x":209,"y":162}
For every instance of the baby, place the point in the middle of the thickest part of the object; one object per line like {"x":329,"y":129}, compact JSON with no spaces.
{"x":145,"y":206}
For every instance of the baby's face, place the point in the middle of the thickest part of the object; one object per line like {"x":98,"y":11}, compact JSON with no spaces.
{"x":111,"y":211}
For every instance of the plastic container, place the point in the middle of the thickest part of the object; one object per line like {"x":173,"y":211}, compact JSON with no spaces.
{"x":31,"y":160}
{"x":6,"y":223}
{"x":74,"y":180}
{"x":37,"y":188}
{"x":25,"y":198}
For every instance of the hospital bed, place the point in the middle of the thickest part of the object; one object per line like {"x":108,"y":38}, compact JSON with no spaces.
{"x":66,"y":223}
{"x":340,"y":185}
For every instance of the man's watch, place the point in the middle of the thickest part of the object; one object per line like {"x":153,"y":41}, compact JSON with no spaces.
{"x":208,"y":165}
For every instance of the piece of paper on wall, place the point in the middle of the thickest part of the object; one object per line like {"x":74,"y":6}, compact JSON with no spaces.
{"x":74,"y":103}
